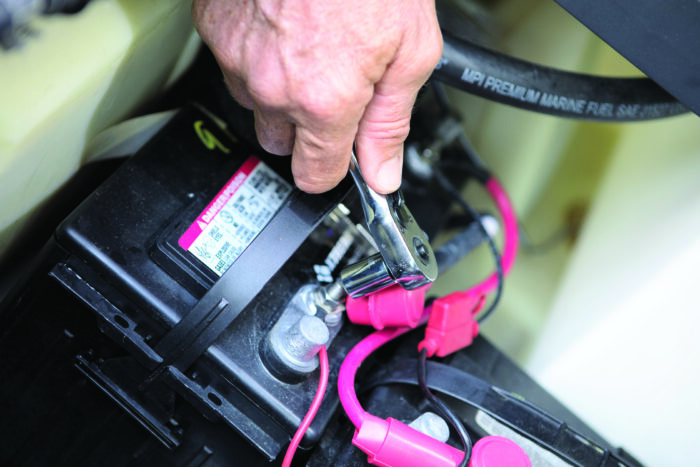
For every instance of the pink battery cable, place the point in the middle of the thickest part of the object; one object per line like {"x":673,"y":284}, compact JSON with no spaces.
{"x":387,"y":442}
{"x":346,"y":376}
{"x":313,"y":409}
{"x":510,"y":227}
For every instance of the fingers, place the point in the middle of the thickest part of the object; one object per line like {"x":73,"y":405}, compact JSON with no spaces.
{"x":314,"y":91}
{"x":274,"y":130}
{"x":273,"y":127}
{"x":321,"y":160}
{"x":239,"y":91}
{"x":386,"y":120}
{"x":381,"y":133}
{"x":326,"y":125}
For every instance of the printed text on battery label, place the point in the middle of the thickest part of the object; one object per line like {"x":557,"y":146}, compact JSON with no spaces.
{"x":241,"y":210}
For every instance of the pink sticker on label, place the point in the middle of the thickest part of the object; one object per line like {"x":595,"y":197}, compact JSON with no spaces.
{"x":218,"y":203}
{"x":238,"y":213}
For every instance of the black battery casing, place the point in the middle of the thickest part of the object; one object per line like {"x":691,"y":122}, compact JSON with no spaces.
{"x":144,"y":322}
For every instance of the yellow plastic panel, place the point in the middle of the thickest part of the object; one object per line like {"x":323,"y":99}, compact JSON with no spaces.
{"x":620,"y":345}
{"x":77,"y":75}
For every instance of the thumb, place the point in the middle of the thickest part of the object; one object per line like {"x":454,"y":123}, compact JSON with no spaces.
{"x":382,"y":132}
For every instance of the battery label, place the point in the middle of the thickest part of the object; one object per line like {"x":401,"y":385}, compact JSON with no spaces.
{"x":241,"y":210}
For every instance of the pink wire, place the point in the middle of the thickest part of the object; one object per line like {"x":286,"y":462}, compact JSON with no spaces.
{"x":353,"y":360}
{"x":313,"y":409}
{"x":510,"y":227}
{"x":346,"y":376}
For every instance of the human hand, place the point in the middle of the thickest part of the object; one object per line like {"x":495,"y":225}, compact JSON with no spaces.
{"x":321,"y":75}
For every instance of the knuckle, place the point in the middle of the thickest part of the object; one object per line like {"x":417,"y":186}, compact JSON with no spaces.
{"x":423,"y":47}
{"x":321,"y":105}
{"x":274,"y":139}
{"x":267,"y":93}
{"x":330,"y":103}
{"x":212,"y":21}
{"x":311,"y":182}
{"x":434,"y":50}
{"x":198,"y":11}
{"x":431,"y":52}
{"x":390,"y":131}
{"x":274,"y":145}
{"x":318,"y":165}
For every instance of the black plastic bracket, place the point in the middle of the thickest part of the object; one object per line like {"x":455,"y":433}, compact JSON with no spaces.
{"x":265,"y":435}
{"x":115,"y":324}
{"x":513,"y":411}
{"x":168,"y":435}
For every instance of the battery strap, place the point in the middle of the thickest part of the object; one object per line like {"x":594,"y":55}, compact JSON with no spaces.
{"x":218,"y":308}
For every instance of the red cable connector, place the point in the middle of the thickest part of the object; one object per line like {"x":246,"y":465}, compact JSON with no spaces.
{"x":452,"y":325}
{"x":387,"y":442}
{"x":392,"y":443}
{"x":495,"y":451}
{"x":392,"y":307}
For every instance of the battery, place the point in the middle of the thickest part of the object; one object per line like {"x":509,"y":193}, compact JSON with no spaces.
{"x":143,"y":334}
{"x":151,"y":305}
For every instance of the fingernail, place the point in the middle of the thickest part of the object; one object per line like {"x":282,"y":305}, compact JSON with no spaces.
{"x":388,"y":177}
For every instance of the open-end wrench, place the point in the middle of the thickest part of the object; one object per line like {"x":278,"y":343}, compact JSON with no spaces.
{"x":405,"y":256}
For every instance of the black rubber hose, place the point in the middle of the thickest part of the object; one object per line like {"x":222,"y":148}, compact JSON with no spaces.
{"x":455,"y":194}
{"x":495,"y":76}
{"x":458,"y":246}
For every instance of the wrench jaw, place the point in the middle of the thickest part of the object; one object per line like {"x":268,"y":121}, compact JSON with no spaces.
{"x":405,"y":256}
{"x":416,"y":265}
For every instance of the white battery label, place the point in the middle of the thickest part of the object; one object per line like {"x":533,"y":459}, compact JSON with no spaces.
{"x":241,"y":210}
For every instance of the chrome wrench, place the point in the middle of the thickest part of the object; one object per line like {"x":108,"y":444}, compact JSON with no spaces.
{"x":405,"y":256}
